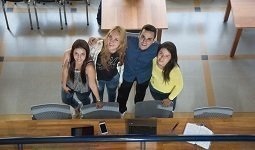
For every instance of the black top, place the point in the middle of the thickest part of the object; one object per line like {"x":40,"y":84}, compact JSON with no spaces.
{"x":102,"y":73}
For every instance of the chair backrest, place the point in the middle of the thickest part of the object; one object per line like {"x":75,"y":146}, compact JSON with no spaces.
{"x":133,"y":34}
{"x":47,"y":1}
{"x":213,"y":112}
{"x":51,"y":111}
{"x":152,"y":108}
{"x":109,"y":110}
{"x":15,"y":1}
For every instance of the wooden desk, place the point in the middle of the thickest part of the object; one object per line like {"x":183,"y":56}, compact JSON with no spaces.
{"x":244,"y":17}
{"x":134,"y":14}
{"x":239,"y":124}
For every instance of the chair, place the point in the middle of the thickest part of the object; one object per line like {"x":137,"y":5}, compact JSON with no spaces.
{"x":16,"y":1}
{"x":108,"y":111}
{"x":213,"y":112}
{"x":51,"y":111}
{"x":136,"y":34}
{"x":152,"y":108}
{"x":87,"y":2}
{"x":60,"y":3}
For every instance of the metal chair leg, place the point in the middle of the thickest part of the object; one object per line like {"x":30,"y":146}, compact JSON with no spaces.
{"x":36,"y":16}
{"x":29,"y":13}
{"x":64,"y":7}
{"x":61,"y":24}
{"x":20,"y":146}
{"x":87,"y":13}
{"x":6,"y":20}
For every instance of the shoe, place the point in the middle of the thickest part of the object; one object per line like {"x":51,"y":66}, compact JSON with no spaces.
{"x":123,"y":114}
{"x":77,"y":115}
{"x":77,"y":112}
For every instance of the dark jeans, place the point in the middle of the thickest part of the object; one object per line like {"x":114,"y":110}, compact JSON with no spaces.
{"x":157,"y":95}
{"x":68,"y":98}
{"x":124,"y":91}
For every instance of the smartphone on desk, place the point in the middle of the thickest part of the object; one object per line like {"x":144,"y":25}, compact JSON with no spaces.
{"x":103,"y":127}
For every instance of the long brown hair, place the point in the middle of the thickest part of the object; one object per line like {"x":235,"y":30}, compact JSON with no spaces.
{"x":173,"y":61}
{"x":78,"y":44}
{"x":105,"y":54}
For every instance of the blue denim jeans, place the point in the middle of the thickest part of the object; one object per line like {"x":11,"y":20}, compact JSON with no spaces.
{"x":111,"y":87}
{"x":157,"y":95}
{"x":68,"y":98}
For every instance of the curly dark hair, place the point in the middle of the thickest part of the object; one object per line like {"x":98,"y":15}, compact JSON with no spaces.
{"x":151,"y":28}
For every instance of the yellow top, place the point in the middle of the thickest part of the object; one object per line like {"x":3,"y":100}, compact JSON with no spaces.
{"x":173,"y":86}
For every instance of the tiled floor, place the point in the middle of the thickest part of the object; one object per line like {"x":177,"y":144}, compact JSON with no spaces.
{"x":30,"y":60}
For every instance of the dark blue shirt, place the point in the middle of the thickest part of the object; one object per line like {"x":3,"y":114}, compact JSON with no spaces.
{"x":138,"y":63}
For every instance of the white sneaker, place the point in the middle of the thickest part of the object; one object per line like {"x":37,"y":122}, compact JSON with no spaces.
{"x":123,"y":114}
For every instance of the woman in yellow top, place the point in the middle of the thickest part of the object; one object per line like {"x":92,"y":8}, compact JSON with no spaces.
{"x":166,"y":81}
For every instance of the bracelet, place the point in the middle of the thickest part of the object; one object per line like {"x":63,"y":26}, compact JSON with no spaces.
{"x":98,"y":100}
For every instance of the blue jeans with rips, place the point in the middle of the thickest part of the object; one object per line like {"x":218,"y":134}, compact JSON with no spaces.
{"x":157,"y":95}
{"x":111,"y":87}
{"x":68,"y":98}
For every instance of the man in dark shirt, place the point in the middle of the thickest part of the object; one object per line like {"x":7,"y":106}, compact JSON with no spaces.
{"x":138,"y":65}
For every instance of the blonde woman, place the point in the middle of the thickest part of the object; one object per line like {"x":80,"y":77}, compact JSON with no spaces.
{"x":108,"y":56}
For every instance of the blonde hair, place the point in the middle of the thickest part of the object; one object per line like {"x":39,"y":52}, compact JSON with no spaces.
{"x":105,"y":54}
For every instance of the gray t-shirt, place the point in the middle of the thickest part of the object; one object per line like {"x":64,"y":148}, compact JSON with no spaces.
{"x":77,"y":85}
